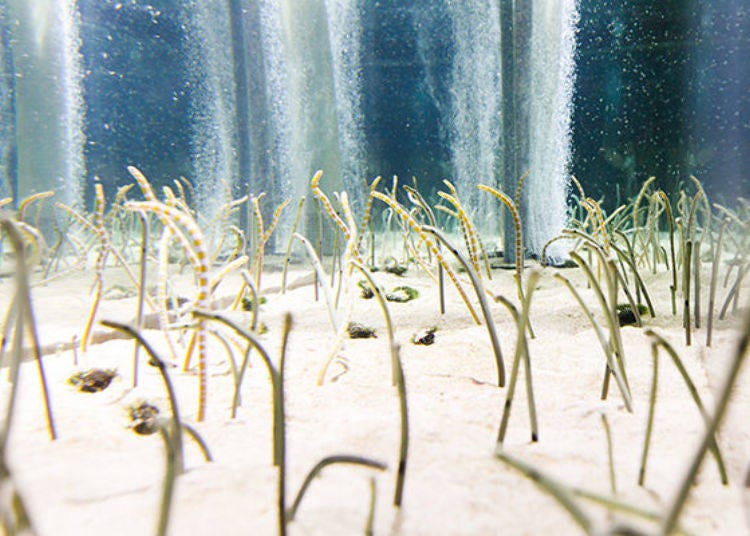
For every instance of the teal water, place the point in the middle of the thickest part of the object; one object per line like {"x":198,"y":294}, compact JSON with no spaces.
{"x":254,"y":96}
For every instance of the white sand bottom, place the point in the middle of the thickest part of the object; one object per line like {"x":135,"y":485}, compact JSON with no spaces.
{"x":99,"y":477}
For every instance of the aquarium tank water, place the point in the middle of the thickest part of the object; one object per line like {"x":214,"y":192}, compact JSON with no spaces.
{"x":253,"y":96}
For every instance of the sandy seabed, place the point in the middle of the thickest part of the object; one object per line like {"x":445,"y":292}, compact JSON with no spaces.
{"x":99,"y":477}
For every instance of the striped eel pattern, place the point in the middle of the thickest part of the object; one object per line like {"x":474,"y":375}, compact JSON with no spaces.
{"x":323,"y":198}
{"x":368,"y":212}
{"x":409,"y":219}
{"x":263,"y":234}
{"x":23,"y":205}
{"x":195,"y":245}
{"x":478,"y":253}
{"x":468,"y":230}
{"x":598,"y":225}
{"x":101,"y":260}
{"x":193,"y":242}
{"x":508,"y":202}
{"x":191,"y":238}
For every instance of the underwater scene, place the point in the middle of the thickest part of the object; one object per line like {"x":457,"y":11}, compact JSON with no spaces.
{"x":405,"y":267}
